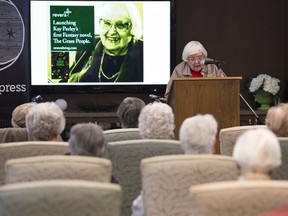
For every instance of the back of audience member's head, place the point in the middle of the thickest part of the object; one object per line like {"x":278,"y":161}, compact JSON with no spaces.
{"x":45,"y":122}
{"x":257,"y":153}
{"x":129,"y":111}
{"x":86,"y":139}
{"x":197,"y":134}
{"x":19,"y":114}
{"x":156,"y":121}
{"x":277,"y":119}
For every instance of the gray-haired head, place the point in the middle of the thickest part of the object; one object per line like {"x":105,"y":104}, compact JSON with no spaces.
{"x":193,"y":47}
{"x":19,"y":114}
{"x":45,"y":121}
{"x":127,"y":10}
{"x":277,"y":119}
{"x":197,"y":134}
{"x":257,"y":151}
{"x":156,"y":121}
{"x":86,"y":139}
{"x":129,"y":111}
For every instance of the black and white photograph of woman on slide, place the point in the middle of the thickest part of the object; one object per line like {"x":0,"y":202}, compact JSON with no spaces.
{"x":117,"y":52}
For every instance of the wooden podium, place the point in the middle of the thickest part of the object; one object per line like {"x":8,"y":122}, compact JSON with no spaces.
{"x":217,"y":96}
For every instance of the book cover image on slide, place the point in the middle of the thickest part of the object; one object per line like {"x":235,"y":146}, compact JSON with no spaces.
{"x":71,"y":27}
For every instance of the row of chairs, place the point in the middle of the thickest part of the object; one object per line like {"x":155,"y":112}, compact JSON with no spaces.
{"x":205,"y":185}
{"x":165,"y":181}
{"x":125,"y":161}
{"x":42,"y":181}
{"x":226,"y":142}
{"x":127,"y":172}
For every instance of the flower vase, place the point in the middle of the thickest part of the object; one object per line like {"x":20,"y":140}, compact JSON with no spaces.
{"x":265,"y":101}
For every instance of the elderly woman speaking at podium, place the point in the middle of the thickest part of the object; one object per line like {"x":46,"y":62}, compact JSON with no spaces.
{"x":195,"y":64}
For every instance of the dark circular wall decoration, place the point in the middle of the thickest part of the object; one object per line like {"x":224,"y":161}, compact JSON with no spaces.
{"x":12,"y":35}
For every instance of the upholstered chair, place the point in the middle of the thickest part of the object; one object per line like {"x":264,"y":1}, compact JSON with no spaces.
{"x":228,"y":137}
{"x":114,"y":135}
{"x":126,"y":157}
{"x":166,"y":180}
{"x":282,"y":172}
{"x":120,"y":134}
{"x":58,"y":167}
{"x":13,"y":135}
{"x":27,"y":149}
{"x":238,"y":198}
{"x":60,"y":198}
{"x":8,"y":135}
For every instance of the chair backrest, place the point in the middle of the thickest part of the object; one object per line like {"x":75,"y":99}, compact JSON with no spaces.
{"x":166,"y":180}
{"x":8,"y":135}
{"x":282,"y":172}
{"x":114,"y":135}
{"x":237,"y":198}
{"x":58,"y":167}
{"x":27,"y":149}
{"x":60,"y":197}
{"x":13,"y":135}
{"x":228,"y":137}
{"x":126,"y":157}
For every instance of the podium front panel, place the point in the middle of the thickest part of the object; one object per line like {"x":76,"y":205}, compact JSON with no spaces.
{"x":217,"y":96}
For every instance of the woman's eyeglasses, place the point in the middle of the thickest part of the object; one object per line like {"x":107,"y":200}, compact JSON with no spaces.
{"x":194,"y":59}
{"x":119,"y":26}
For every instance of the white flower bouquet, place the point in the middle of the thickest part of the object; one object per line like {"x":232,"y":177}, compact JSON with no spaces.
{"x":265,"y":85}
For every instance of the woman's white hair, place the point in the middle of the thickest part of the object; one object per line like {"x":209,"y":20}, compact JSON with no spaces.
{"x":192,"y":48}
{"x":197,"y":134}
{"x":128,"y":10}
{"x":257,"y":150}
{"x":45,"y":121}
{"x":156,"y":121}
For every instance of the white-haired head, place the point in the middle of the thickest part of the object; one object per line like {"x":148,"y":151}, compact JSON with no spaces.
{"x":257,"y":151}
{"x":197,"y":134}
{"x":156,"y":121}
{"x":193,"y":47}
{"x":127,"y":10}
{"x":45,"y":121}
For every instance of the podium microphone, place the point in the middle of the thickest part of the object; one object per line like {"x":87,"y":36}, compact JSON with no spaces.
{"x":158,"y":98}
{"x":207,"y":62}
{"x":154,"y":97}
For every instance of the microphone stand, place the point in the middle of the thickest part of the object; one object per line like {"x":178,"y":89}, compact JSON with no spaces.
{"x":241,"y":96}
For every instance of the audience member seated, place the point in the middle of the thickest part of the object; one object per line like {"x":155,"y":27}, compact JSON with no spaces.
{"x":257,"y":153}
{"x":45,"y":122}
{"x":86,"y":139}
{"x":19,"y":114}
{"x":197,"y":135}
{"x":156,"y":121}
{"x":129,"y":111}
{"x":277,"y":119}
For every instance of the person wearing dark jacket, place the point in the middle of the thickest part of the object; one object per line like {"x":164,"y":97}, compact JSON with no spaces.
{"x":117,"y":53}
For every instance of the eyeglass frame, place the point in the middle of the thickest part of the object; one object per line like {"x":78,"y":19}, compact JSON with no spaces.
{"x":129,"y":24}
{"x":193,"y":59}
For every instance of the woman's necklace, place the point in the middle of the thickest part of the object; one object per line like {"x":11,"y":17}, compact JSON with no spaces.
{"x":101,"y":72}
